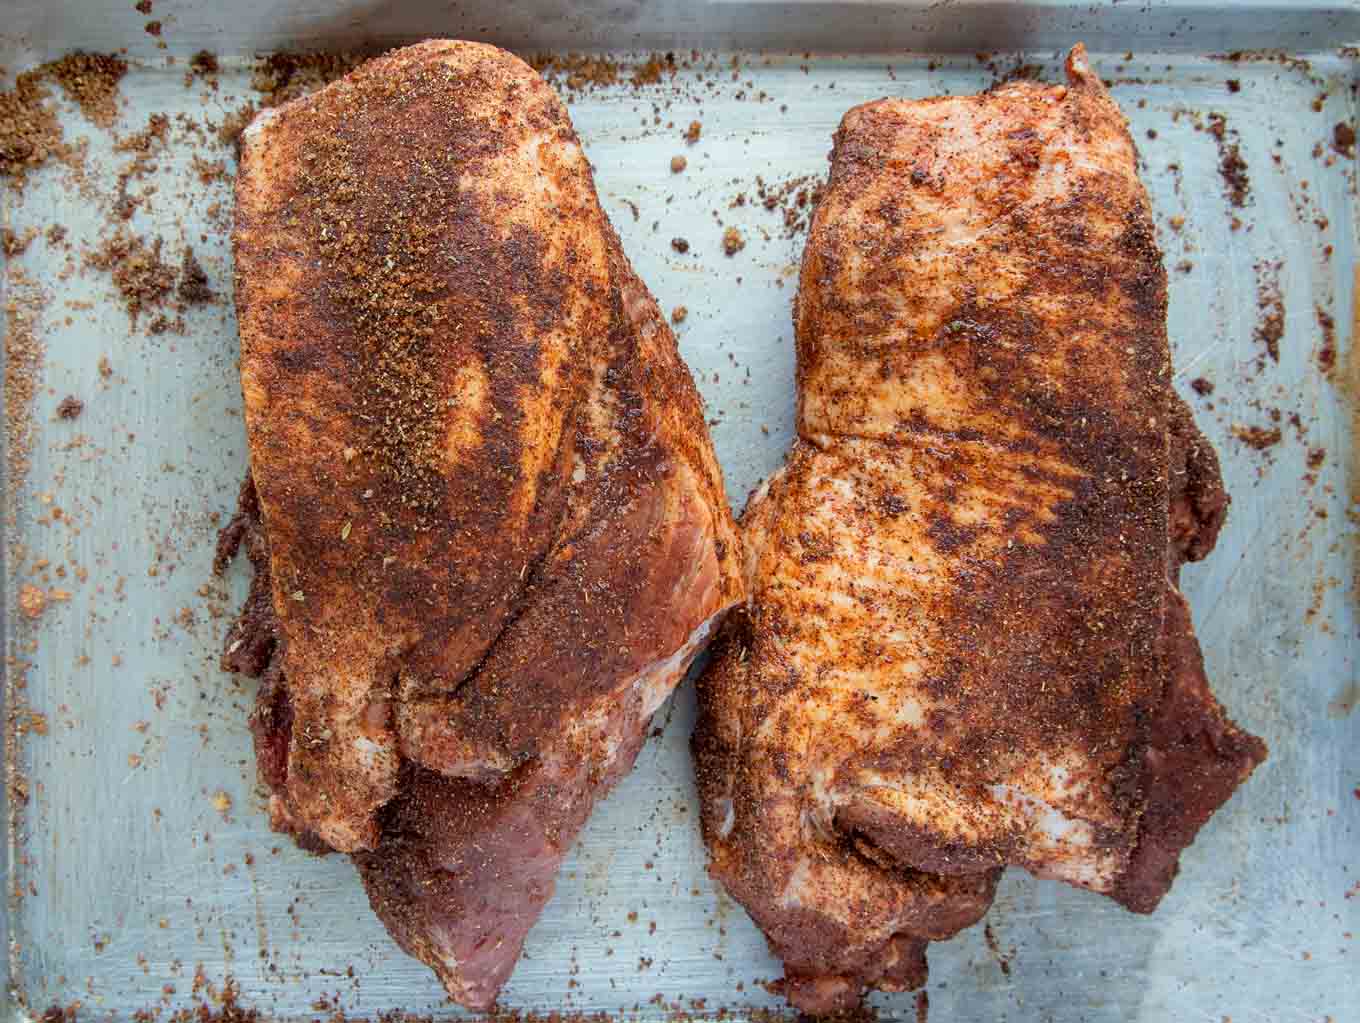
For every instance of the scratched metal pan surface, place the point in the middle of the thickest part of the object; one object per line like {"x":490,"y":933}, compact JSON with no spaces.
{"x":141,"y":868}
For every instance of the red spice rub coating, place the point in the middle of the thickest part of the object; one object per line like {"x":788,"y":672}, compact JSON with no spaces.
{"x":495,"y":528}
{"x":964,"y":635}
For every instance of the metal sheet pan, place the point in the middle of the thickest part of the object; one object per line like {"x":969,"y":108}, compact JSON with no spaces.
{"x":141,"y":855}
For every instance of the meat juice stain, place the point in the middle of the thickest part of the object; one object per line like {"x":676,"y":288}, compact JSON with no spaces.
{"x":1344,"y":703}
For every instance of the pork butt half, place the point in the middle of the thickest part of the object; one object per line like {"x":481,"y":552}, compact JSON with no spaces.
{"x":964,"y":647}
{"x":488,"y":529}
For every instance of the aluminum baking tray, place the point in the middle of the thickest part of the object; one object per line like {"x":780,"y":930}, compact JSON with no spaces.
{"x":142,"y":872}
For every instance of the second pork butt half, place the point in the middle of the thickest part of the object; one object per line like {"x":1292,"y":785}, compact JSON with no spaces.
{"x":488,"y":529}
{"x":964,"y":647}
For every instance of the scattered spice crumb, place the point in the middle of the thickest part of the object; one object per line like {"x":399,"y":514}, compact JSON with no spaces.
{"x":678,"y":164}
{"x":70,"y":407}
{"x":23,"y":365}
{"x":221,"y":803}
{"x":732,"y":241}
{"x":1202,"y":386}
{"x":142,"y":278}
{"x":795,"y":199}
{"x":203,"y":64}
{"x":280,"y":77}
{"x":1343,"y":139}
{"x":1258,"y":438}
{"x":193,"y":282}
{"x":151,"y":137}
{"x":29,"y":130}
{"x":143,"y":145}
{"x":90,"y":80}
{"x":16,"y":244}
{"x":229,"y":131}
{"x":1326,"y":355}
{"x":649,"y":72}
{"x":693,"y":132}
{"x":680,"y":245}
{"x":580,"y":71}
{"x":678,"y":314}
{"x":1232,"y":168}
{"x":1270,"y":307}
{"x":32,"y":601}
{"x":209,"y":171}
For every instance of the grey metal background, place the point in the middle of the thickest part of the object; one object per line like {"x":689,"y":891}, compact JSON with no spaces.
{"x":141,"y":880}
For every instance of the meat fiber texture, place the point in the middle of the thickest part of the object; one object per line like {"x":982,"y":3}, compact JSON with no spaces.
{"x":964,"y":647}
{"x":488,"y":527}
